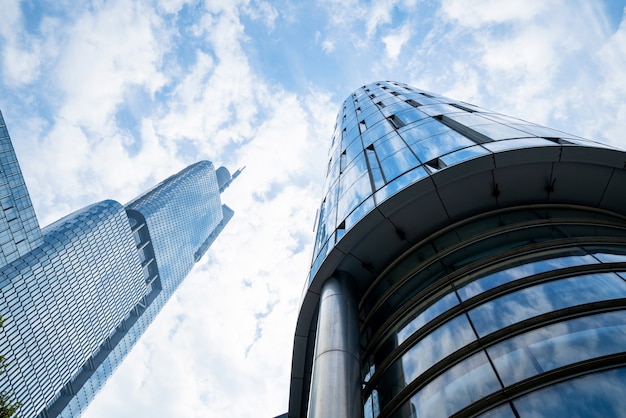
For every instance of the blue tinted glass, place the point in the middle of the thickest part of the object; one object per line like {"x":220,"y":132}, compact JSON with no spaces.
{"x":400,"y":183}
{"x":558,"y":345}
{"x":598,"y":395}
{"x":425,"y":130}
{"x":497,"y":131}
{"x":376,"y":131}
{"x":443,"y":341}
{"x":389,"y":145}
{"x":519,"y":143}
{"x":411,"y":115}
{"x":518,"y":272}
{"x":456,"y":388}
{"x":502,"y":411}
{"x":398,"y":163}
{"x":440,"y":144}
{"x":430,"y":313}
{"x":545,"y":297}
{"x":463,"y":155}
{"x":608,"y":254}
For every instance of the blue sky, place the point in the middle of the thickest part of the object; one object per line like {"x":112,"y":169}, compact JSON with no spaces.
{"x":105,"y":98}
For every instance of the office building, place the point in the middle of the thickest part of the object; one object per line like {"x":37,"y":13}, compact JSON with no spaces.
{"x":466,"y":263}
{"x":77,"y":295}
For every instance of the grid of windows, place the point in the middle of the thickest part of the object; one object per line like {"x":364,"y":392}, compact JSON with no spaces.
{"x":19,"y":229}
{"x":381,"y":145}
{"x":77,"y":295}
{"x":478,"y":287}
{"x":183,"y":209}
{"x":467,"y":324}
{"x":61,"y":300}
{"x":183,"y":215}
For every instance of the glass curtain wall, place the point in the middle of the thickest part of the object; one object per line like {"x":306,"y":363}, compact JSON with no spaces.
{"x":501,"y":324}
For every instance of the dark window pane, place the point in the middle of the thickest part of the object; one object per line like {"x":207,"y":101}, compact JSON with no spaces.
{"x":520,"y":271}
{"x":558,"y":345}
{"x":545,"y":297}
{"x":457,"y":388}
{"x":597,"y":395}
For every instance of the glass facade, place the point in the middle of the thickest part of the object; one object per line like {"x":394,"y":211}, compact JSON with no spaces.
{"x":489,"y":280}
{"x":89,"y":285}
{"x":19,"y":229}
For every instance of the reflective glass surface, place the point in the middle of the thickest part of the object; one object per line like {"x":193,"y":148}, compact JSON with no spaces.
{"x":558,"y":345}
{"x":525,"y":269}
{"x":76,"y":304}
{"x":63,"y":299}
{"x":435,"y":346}
{"x":433,"y":311}
{"x":19,"y":228}
{"x":598,"y":395}
{"x":545,"y":297}
{"x":395,"y":128}
{"x":528,"y":285}
{"x":455,"y":389}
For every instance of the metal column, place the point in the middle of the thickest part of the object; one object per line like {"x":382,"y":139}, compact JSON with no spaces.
{"x":335,"y":384}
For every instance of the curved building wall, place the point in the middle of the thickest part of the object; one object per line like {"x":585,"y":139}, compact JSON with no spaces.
{"x":486,"y":255}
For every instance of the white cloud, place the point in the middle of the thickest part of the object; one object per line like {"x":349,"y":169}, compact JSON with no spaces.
{"x":108,"y":50}
{"x":378,"y":14}
{"x":328,"y":46}
{"x":479,"y":13}
{"x":263,"y":10}
{"x":21,"y":54}
{"x":395,"y":41}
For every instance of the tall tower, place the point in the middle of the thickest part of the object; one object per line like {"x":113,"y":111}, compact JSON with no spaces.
{"x":466,"y":263}
{"x":77,"y":295}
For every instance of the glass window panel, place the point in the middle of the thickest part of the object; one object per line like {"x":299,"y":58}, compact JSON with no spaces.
{"x":442,"y":305}
{"x":463,"y":155}
{"x":538,"y":130}
{"x":393,"y":108}
{"x":502,"y":411}
{"x":371,"y":134}
{"x":519,"y":143}
{"x":498,"y":278}
{"x":598,"y":395}
{"x":357,"y":214}
{"x":558,"y":345}
{"x":400,"y":183}
{"x":440,"y":144}
{"x":443,"y":341}
{"x":398,"y":163}
{"x":608,"y":254}
{"x":469,"y":119}
{"x":439,"y":109}
{"x":389,"y":145}
{"x":411,"y":115}
{"x":371,"y":408}
{"x":497,"y":131}
{"x":503,"y":118}
{"x":355,"y":194}
{"x":417,"y":133}
{"x":545,"y":297}
{"x":353,"y":150}
{"x":352,"y":173}
{"x":458,"y":387}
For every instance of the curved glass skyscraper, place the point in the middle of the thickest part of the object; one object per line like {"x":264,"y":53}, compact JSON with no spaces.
{"x":76,"y":295}
{"x":466,"y":263}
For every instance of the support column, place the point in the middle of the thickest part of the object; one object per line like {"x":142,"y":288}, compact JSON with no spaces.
{"x":336,"y":384}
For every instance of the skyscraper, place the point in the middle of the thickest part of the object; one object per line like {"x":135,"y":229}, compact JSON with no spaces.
{"x":77,"y":294}
{"x":466,"y":263}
